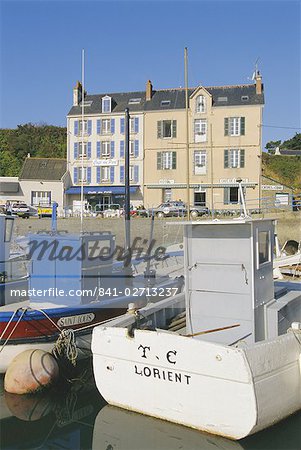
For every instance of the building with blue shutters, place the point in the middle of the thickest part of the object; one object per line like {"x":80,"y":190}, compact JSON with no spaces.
{"x":95,"y":149}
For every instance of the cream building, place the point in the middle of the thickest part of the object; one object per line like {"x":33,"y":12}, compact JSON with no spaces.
{"x":224,"y":142}
{"x":224,"y":127}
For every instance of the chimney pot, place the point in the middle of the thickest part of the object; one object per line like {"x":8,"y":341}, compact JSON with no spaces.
{"x":258,"y":80}
{"x":149,"y":90}
{"x":77,"y":94}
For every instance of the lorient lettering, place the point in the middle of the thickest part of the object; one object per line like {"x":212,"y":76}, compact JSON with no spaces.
{"x":162,"y":374}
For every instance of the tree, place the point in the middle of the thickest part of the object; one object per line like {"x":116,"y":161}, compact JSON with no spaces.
{"x":271,"y":146}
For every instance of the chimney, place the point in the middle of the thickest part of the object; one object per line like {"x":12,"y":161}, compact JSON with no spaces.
{"x":77,"y":94}
{"x":149,"y":91}
{"x":259,"y":86}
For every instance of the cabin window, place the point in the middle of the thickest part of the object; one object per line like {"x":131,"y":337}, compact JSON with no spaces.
{"x":263,"y":248}
{"x":8,"y":230}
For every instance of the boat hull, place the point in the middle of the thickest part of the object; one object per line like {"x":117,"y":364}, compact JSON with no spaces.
{"x":210,"y":387}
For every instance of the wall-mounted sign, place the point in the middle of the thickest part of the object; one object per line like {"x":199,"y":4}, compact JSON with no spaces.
{"x":163,"y":181}
{"x":105,"y":162}
{"x":232,"y":180}
{"x":272,"y":187}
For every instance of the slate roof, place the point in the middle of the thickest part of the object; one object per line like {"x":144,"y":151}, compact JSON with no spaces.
{"x":45,"y":169}
{"x":120,"y":101}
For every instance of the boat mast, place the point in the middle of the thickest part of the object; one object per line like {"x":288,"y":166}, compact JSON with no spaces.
{"x":82,"y":136}
{"x":187,"y":134}
{"x":127,"y":206}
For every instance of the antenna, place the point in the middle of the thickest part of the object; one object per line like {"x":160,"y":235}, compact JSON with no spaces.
{"x":255,"y":70}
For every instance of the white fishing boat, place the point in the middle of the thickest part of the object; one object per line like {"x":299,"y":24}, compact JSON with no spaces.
{"x":235,"y":368}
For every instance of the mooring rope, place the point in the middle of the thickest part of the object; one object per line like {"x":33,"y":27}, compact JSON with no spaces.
{"x":8,"y":323}
{"x":66,"y":346}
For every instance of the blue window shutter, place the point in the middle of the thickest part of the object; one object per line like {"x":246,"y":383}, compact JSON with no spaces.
{"x":76,"y":127}
{"x":89,"y":174}
{"x":112,"y":174}
{"x":121,"y":149}
{"x":89,"y":150}
{"x":75,"y":175}
{"x":122,"y":125}
{"x":98,"y":126}
{"x":112,"y":149}
{"x":98,"y":149}
{"x":136,"y":174}
{"x":136,"y":150}
{"x":136,"y":125}
{"x":89,"y":127}
{"x":226,"y":159}
{"x":98,"y":174}
{"x":112,"y":126}
{"x":226,"y":126}
{"x":75,"y":150}
{"x":121,"y":174}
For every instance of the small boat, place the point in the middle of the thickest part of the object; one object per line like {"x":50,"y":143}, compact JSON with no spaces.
{"x":233,"y":367}
{"x":69,"y":292}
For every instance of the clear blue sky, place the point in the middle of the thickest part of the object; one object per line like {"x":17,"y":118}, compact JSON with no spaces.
{"x":127,"y":43}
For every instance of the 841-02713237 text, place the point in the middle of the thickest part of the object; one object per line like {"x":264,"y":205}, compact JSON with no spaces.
{"x":138,"y":292}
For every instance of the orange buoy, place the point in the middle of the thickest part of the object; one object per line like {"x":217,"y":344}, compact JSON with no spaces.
{"x":31,"y":371}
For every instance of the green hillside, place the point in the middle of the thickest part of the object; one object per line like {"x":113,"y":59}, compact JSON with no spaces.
{"x":45,"y":141}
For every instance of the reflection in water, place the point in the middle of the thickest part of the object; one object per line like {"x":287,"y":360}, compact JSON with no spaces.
{"x":76,"y":417}
{"x":117,"y":429}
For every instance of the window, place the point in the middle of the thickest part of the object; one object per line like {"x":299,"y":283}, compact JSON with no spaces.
{"x":131,"y":173}
{"x":105,"y":173}
{"x":200,"y":130}
{"x":234,"y":126}
{"x":133,"y":101}
{"x":83,"y":124}
{"x":82,"y":173}
{"x":40,"y":198}
{"x":106,"y":126}
{"x":244,"y":98}
{"x":105,"y":149}
{"x":234,"y":158}
{"x":106,"y":104}
{"x":166,"y":129}
{"x":201,"y":104}
{"x":167,"y":195}
{"x":134,"y":125}
{"x":166,"y":160}
{"x":263,"y":247}
{"x":165,"y":103}
{"x":230,"y":195}
{"x":222,"y":99}
{"x":80,"y":148}
{"x":132,"y":148}
{"x":200,"y":162}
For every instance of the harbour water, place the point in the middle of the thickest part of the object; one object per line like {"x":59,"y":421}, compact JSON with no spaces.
{"x":76,"y":417}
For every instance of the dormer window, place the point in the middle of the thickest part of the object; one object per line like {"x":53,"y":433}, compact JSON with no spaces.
{"x":201,"y":104}
{"x":106,"y":104}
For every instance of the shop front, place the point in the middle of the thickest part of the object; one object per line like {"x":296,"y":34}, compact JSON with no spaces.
{"x":101,"y":197}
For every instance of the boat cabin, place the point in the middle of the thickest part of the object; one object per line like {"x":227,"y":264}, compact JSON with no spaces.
{"x":71,"y":267}
{"x":229,"y":282}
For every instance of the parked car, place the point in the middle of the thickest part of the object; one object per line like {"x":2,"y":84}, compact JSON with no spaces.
{"x":178,"y":209}
{"x":21,"y":210}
